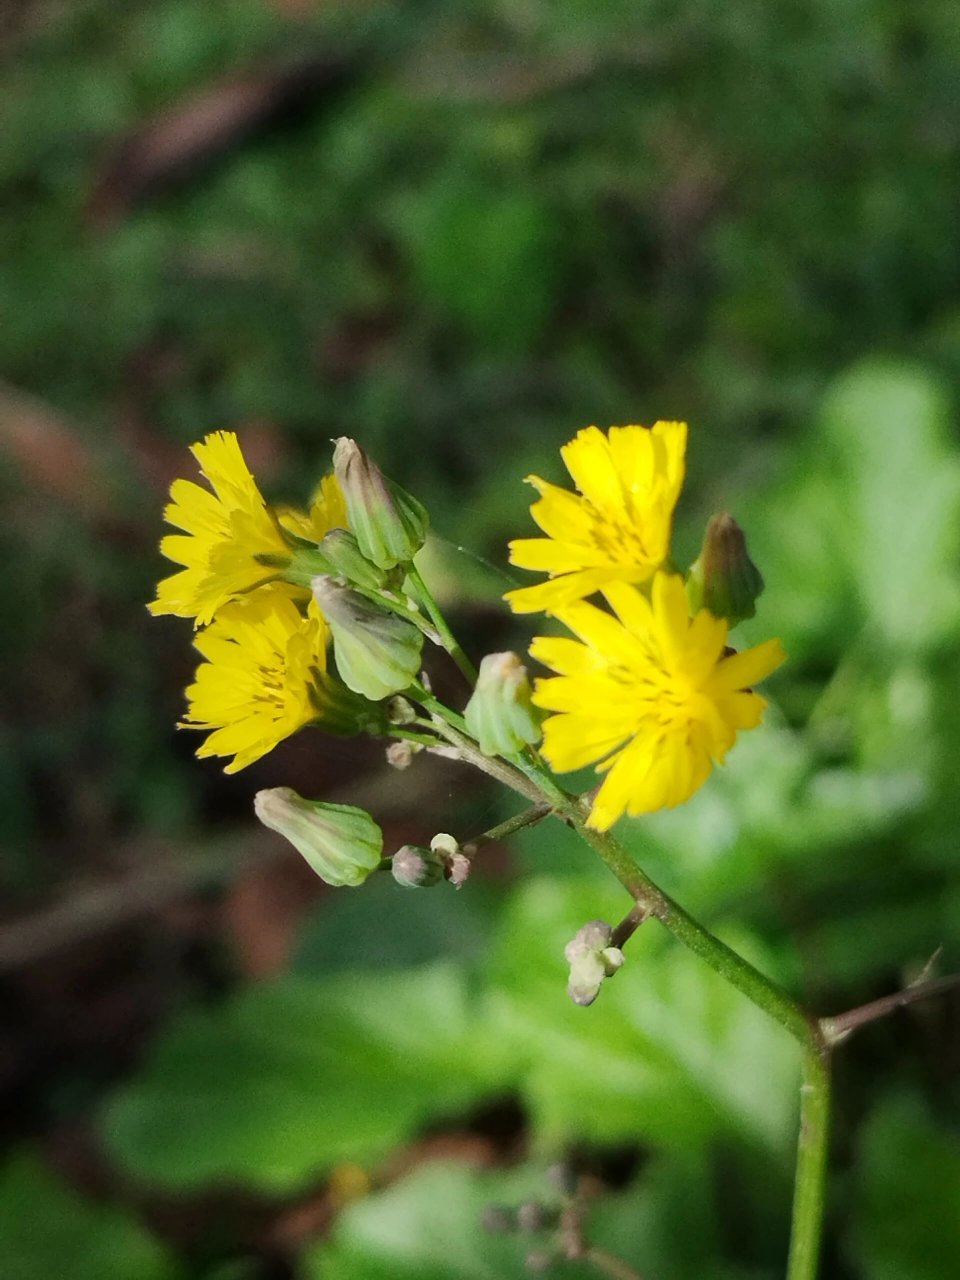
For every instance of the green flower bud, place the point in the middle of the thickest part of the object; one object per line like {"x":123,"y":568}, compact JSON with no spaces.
{"x":341,"y":843}
{"x":342,"y":552}
{"x":500,"y":714}
{"x":591,"y":959}
{"x":723,"y":578}
{"x":416,"y":868}
{"x":376,"y":652}
{"x":390,"y":525}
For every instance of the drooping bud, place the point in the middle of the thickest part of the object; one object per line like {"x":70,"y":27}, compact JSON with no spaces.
{"x":389,"y":524}
{"x":591,"y":959}
{"x":341,"y":843}
{"x":723,"y":578}
{"x":416,"y":868}
{"x":376,"y":652}
{"x":500,"y":714}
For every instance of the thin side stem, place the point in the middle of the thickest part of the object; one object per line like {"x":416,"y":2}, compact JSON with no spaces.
{"x":810,"y":1186}
{"x":758,"y":988}
{"x":510,"y":826}
{"x":447,"y":639}
{"x":842,"y":1025}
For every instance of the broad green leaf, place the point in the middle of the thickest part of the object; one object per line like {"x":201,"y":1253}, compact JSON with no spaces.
{"x":888,"y":425}
{"x":669,"y":1053}
{"x":906,"y":1199}
{"x":286,"y":1079}
{"x":48,"y":1232}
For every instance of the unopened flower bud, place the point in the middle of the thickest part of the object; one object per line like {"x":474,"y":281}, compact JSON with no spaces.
{"x":347,"y":561}
{"x":458,"y":869}
{"x":400,"y":754}
{"x":400,"y":711}
{"x":416,"y":868}
{"x":376,"y":652}
{"x":342,"y":844}
{"x":444,"y":844}
{"x":389,"y":524}
{"x":591,"y":959}
{"x":500,"y":714}
{"x":723,"y":578}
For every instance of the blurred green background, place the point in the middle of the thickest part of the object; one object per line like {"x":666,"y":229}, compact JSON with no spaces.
{"x":459,"y":232}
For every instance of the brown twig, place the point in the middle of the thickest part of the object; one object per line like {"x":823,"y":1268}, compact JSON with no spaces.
{"x":842,"y":1025}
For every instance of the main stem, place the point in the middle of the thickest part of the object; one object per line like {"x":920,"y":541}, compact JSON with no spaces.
{"x":812,"y":1148}
{"x":807,"y":1224}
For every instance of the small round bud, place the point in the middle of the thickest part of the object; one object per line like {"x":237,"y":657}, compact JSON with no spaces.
{"x":458,"y":869}
{"x":416,"y":868}
{"x":401,"y":711}
{"x":539,"y":1260}
{"x":444,"y":844}
{"x":400,"y":754}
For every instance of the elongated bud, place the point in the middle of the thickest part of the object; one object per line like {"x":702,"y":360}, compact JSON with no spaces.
{"x":591,"y":959}
{"x":390,"y":525}
{"x":341,"y":843}
{"x":416,"y":868}
{"x":723,"y":578}
{"x":376,"y":652}
{"x":500,"y":714}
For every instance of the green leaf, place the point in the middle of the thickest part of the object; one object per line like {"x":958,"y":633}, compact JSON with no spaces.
{"x":429,"y":1226}
{"x":669,"y":1053}
{"x":889,"y":425}
{"x":287,"y":1079}
{"x":47,"y":1231}
{"x":906,"y":1209}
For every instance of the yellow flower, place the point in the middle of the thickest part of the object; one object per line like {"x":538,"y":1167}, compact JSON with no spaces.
{"x":260,"y":682}
{"x":232,"y":541}
{"x":327,"y":511}
{"x":617,"y":529}
{"x":649,"y":693}
{"x":223,"y":534}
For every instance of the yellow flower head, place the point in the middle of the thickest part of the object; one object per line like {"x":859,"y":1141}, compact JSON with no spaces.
{"x":617,"y":529}
{"x":260,"y":681}
{"x":232,"y":541}
{"x":647,"y":692}
{"x":327,"y":511}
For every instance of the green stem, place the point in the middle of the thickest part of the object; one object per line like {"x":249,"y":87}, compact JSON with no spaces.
{"x":448,"y":640}
{"x":648,"y":895}
{"x":510,"y":826}
{"x":764,"y":993}
{"x":809,"y":1187}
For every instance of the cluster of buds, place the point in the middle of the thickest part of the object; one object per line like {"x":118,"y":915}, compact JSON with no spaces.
{"x":591,"y":958}
{"x":415,"y":867}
